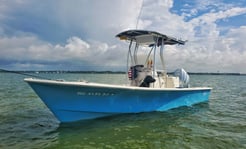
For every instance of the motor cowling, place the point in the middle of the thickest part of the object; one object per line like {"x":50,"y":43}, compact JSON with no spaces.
{"x":183,"y":76}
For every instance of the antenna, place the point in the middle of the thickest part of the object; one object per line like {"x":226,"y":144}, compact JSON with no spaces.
{"x":139,"y":14}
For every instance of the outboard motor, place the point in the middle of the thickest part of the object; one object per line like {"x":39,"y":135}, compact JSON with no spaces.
{"x":147,"y":80}
{"x":183,"y":77}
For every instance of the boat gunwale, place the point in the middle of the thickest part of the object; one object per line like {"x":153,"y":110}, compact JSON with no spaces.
{"x":101,"y":85}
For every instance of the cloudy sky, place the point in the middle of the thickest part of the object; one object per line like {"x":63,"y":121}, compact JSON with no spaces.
{"x":80,"y":34}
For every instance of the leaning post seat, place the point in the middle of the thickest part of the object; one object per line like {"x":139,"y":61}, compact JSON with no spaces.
{"x":134,"y":71}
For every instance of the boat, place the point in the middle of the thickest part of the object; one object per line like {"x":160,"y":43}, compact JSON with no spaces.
{"x":147,"y":88}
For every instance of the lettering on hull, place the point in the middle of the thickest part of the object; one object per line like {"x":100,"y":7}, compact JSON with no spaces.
{"x":95,"y":94}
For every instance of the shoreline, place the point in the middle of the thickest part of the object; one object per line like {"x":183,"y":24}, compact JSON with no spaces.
{"x":116,"y":72}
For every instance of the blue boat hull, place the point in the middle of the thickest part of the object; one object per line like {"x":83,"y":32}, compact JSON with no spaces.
{"x":73,"y":102}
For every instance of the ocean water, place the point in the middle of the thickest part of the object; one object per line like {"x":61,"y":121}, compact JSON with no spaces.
{"x":25,"y":122}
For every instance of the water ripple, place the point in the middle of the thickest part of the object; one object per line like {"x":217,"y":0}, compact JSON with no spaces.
{"x":25,"y":122}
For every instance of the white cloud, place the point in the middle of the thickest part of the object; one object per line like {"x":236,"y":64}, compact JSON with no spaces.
{"x":214,"y":16}
{"x":100,"y":19}
{"x":88,"y":28}
{"x":206,"y":49}
{"x":28,"y":50}
{"x":225,"y":53}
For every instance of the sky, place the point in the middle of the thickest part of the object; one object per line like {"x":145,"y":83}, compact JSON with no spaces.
{"x":80,"y":34}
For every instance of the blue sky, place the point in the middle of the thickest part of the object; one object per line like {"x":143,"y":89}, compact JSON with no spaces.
{"x":80,"y":34}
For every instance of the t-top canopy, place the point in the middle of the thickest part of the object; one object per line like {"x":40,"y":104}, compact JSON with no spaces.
{"x":148,"y":37}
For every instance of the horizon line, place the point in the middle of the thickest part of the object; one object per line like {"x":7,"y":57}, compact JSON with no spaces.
{"x":109,"y":71}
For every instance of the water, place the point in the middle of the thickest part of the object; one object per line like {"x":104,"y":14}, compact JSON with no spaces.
{"x":25,"y":122}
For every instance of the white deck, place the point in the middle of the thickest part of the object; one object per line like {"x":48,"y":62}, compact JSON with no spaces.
{"x":100,"y":85}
